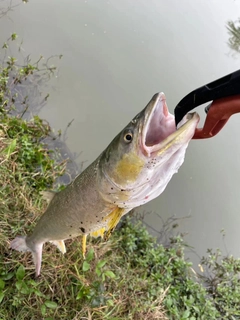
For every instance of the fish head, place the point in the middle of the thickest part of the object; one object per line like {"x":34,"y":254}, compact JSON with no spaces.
{"x":140,"y":161}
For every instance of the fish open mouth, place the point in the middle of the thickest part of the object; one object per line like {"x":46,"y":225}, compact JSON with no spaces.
{"x":159,"y":125}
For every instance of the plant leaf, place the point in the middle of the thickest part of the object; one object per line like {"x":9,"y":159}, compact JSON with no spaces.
{"x":109,"y":274}
{"x":1,"y":296}
{"x":2,"y":284}
{"x":10,"y":148}
{"x":50,"y":304}
{"x":90,"y":255}
{"x":86,"y":266}
{"x":20,"y":273}
{"x":101,"y":263}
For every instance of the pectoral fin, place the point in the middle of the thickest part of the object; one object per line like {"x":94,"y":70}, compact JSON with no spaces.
{"x":112,"y":220}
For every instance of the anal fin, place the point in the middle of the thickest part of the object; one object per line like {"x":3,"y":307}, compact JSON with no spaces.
{"x":60,"y":245}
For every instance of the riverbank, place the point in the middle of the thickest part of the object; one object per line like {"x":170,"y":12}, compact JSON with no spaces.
{"x":129,"y":277}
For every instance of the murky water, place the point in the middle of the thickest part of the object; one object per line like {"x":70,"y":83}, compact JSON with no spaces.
{"x":116,"y":55}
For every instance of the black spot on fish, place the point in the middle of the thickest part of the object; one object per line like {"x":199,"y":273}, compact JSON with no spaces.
{"x":111,"y":188}
{"x":70,"y":226}
{"x":70,"y":235}
{"x":122,"y":190}
{"x":82,"y":229}
{"x":81,"y":222}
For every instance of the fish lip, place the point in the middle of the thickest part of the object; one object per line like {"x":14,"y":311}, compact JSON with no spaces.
{"x":164,"y":127}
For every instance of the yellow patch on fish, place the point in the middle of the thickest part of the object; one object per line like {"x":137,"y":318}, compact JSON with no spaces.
{"x":128,"y":169}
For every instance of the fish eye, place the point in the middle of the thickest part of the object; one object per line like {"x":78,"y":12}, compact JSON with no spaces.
{"x":128,"y":137}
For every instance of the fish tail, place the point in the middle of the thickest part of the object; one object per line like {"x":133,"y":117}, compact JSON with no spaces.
{"x":20,"y":244}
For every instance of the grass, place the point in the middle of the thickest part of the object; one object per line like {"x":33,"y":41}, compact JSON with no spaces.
{"x":129,"y":277}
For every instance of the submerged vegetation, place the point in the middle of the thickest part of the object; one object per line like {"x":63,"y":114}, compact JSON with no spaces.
{"x":233,"y":28}
{"x":129,"y":277}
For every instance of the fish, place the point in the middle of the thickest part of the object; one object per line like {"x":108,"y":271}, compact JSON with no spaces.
{"x":134,"y":169}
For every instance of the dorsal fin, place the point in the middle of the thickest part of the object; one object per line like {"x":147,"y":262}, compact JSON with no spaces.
{"x":48,"y":195}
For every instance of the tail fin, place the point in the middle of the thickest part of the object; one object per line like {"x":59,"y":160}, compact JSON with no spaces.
{"x":19,"y":244}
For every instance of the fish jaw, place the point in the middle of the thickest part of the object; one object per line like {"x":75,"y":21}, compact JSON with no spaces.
{"x":159,"y":130}
{"x":157,"y":125}
{"x":163,"y":161}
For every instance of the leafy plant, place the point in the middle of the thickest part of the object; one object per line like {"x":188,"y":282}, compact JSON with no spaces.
{"x":94,"y":292}
{"x":222,"y":280}
{"x":233,"y":28}
{"x":166,"y":269}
